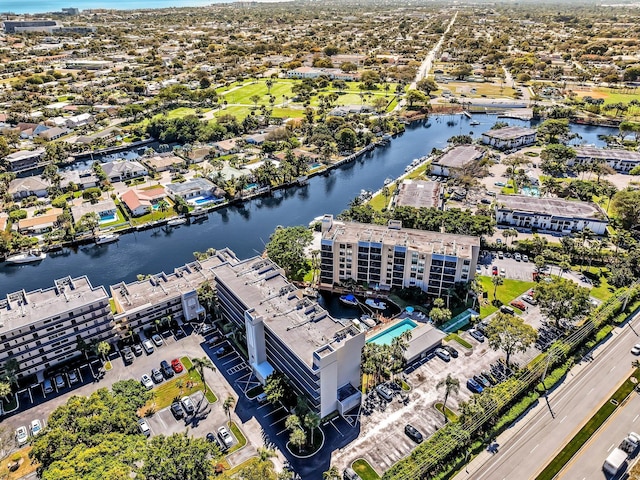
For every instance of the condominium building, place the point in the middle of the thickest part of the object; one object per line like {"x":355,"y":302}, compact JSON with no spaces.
{"x":291,"y":334}
{"x":395,"y":257}
{"x":507,"y":138}
{"x":139,"y":304}
{"x":41,"y":329}
{"x":456,"y":159}
{"x":620,"y":160}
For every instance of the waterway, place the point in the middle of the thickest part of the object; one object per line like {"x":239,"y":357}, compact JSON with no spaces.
{"x":246,"y":229}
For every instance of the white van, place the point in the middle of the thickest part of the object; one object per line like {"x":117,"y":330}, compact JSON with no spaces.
{"x":148,"y":346}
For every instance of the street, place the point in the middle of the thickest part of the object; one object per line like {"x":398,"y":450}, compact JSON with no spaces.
{"x":526,"y":448}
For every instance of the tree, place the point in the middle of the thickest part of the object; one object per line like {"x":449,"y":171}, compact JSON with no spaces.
{"x":427,"y":85}
{"x":312,"y":421}
{"x":88,"y":222}
{"x":5,"y":390}
{"x":200,"y":365}
{"x":439,"y":314}
{"x":497,"y":281}
{"x":562,"y":300}
{"x":554,"y":130}
{"x":510,"y":334}
{"x":228,"y":405}
{"x":275,"y":387}
{"x":103,"y":348}
{"x":11,"y":368}
{"x":286,"y":248}
{"x":332,"y":474}
{"x":178,"y":457}
{"x":626,"y":204}
{"x":255,"y":99}
{"x":416,"y":97}
{"x":7,"y":441}
{"x":555,"y":158}
{"x":298,"y":438}
{"x":451,"y":385}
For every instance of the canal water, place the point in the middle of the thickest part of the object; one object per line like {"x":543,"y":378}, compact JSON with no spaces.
{"x":246,"y":229}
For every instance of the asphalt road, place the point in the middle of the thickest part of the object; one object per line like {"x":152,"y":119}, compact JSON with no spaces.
{"x":526,"y":448}
{"x":587,"y":465}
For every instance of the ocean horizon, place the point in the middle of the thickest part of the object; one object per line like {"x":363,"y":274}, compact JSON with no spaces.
{"x":48,"y":6}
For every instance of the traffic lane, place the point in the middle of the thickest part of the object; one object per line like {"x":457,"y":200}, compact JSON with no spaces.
{"x":587,"y":464}
{"x":543,"y":434}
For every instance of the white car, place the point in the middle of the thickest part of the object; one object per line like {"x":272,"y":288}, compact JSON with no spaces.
{"x":73,"y":377}
{"x":36,"y":427}
{"x":143,"y":426}
{"x":443,"y":354}
{"x":636,"y":349}
{"x":146,"y":381}
{"x":225,"y":436}
{"x":22,"y":435}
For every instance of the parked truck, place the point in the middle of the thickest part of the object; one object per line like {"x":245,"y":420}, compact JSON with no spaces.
{"x":615,"y":461}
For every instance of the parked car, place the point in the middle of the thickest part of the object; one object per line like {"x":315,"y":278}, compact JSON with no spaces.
{"x":478,"y":269}
{"x":146,"y":381}
{"x":482,"y":381}
{"x":494,"y":270}
{"x":500,"y":254}
{"x":211,"y":437}
{"x":492,"y":380}
{"x":635,"y":350}
{"x":36,"y":427}
{"x":214,"y":340}
{"x":60,"y":383}
{"x":207,"y":328}
{"x":262,"y":398}
{"x":156,"y":374}
{"x":518,"y":304}
{"x":187,"y":404}
{"x":167,"y":371}
{"x":47,"y":386}
{"x":477,"y":335}
{"x":177,"y":410}
{"x":137,"y":349}
{"x":127,"y":354}
{"x":452,"y":351}
{"x":525,"y":258}
{"x":223,"y":350}
{"x":529,"y":299}
{"x":443,"y":354}
{"x":498,"y":241}
{"x":22,"y":435}
{"x":503,"y":272}
{"x":176,"y":365}
{"x":350,"y":474}
{"x":385,"y":392}
{"x":148,"y":347}
{"x":143,"y":426}
{"x":517,"y":257}
{"x":474,"y":386}
{"x":413,"y":433}
{"x":157,"y":339}
{"x":73,"y":377}
{"x":225,"y":436}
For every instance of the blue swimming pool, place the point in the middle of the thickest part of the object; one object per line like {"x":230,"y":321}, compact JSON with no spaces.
{"x":202,"y":200}
{"x":530,"y":191}
{"x":109,"y":218}
{"x":251,"y":186}
{"x":386,"y":337}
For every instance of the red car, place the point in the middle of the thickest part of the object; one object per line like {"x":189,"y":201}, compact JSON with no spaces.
{"x":495,"y":270}
{"x":176,"y":365}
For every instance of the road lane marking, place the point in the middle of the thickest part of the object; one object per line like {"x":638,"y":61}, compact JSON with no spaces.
{"x":563,"y":419}
{"x":534,"y":448}
{"x":609,"y":449}
{"x":590,"y":391}
{"x":635,"y":418}
{"x":612,"y":369}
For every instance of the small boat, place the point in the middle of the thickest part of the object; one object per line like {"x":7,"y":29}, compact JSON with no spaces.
{"x":408,"y":168}
{"x":474,"y":122}
{"x":375,"y":303}
{"x":310,"y":292}
{"x":108,"y":238}
{"x":349,"y":300}
{"x":368,"y":321}
{"x":387,"y":181}
{"x":177,"y":221}
{"x":26,"y":257}
{"x":365,"y":194}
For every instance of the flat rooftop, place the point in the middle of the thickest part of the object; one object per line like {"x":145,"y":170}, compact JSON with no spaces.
{"x":418,"y":193}
{"x":459,"y":156}
{"x":19,"y":309}
{"x":299,"y":322}
{"x":422,"y":240}
{"x":556,"y":207}
{"x":157,"y":288}
{"x":607,"y":153}
{"x":509,"y":133}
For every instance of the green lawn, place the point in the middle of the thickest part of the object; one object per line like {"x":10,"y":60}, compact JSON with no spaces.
{"x":366,"y":472}
{"x":242,"y":441}
{"x":168,"y":392}
{"x":451,"y":416}
{"x":601,"y":288}
{"x":588,"y":430}
{"x":457,"y":338}
{"x":506,"y":292}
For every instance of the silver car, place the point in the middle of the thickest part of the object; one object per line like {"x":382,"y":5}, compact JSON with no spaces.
{"x":146,"y":381}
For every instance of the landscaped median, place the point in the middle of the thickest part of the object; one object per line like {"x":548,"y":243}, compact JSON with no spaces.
{"x":576,"y":443}
{"x":364,"y":470}
{"x":185,"y":384}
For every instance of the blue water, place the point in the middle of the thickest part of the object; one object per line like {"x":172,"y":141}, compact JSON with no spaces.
{"x":108,"y":218}
{"x":251,"y":186}
{"x":387,"y":336}
{"x":530,"y":191}
{"x":42,"y":6}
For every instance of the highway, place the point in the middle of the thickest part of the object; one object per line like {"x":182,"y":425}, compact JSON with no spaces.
{"x":587,"y":464}
{"x":526,"y":448}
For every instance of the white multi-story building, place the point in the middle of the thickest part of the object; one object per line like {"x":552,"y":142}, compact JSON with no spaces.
{"x":457,"y":158}
{"x":395,"y":257}
{"x":41,"y":329}
{"x":291,"y":334}
{"x":620,"y":160}
{"x":550,"y":214}
{"x":509,"y":137}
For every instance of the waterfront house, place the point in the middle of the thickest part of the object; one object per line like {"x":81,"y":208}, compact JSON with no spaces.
{"x":163,"y":162}
{"x":121,"y":170}
{"x":81,"y":178}
{"x":140,"y":202}
{"x":105,"y":209}
{"x":550,"y":214}
{"x":456,"y":158}
{"x":508,"y":138}
{"x":23,"y":159}
{"x":28,"y":186}
{"x":392,"y":256}
{"x":195,"y":187}
{"x":41,"y":223}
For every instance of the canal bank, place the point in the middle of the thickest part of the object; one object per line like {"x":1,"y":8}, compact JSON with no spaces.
{"x":246,"y":227}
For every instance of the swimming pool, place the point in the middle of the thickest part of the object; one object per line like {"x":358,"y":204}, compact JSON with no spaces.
{"x":386,"y":337}
{"x":202,"y":199}
{"x":530,"y":191}
{"x":108,"y":218}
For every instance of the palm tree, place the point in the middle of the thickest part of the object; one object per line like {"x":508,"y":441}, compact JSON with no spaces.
{"x":332,"y":474}
{"x":451,"y":385}
{"x":199,"y":365}
{"x":312,"y":421}
{"x":496,"y":280}
{"x":5,"y":390}
{"x":103,"y":348}
{"x":11,"y":368}
{"x":228,"y":405}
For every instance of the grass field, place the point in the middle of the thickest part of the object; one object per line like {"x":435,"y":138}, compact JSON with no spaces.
{"x":364,"y":470}
{"x":457,"y":338}
{"x":26,"y":468}
{"x":489,"y":90}
{"x":506,"y":292}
